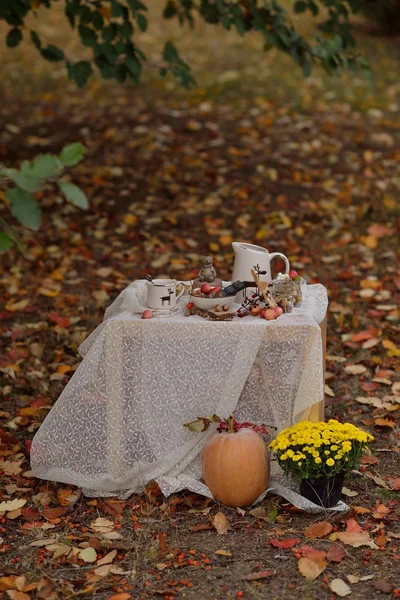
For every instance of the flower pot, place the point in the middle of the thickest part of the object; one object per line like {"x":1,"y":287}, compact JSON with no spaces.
{"x":324,"y":492}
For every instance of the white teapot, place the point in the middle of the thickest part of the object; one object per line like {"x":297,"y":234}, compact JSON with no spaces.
{"x":249,"y":255}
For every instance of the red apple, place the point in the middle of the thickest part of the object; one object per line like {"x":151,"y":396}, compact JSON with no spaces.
{"x":278,"y":311}
{"x":270,"y":314}
{"x":293,"y":274}
{"x":262,"y":313}
{"x":205,"y":288}
{"x":147,"y":314}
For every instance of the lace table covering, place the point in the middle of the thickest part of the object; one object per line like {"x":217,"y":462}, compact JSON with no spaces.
{"x":118,"y":424}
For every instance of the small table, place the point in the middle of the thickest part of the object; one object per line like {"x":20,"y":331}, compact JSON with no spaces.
{"x":119,"y":422}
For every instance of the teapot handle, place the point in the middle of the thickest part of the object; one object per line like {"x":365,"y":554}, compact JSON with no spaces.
{"x":275,"y":254}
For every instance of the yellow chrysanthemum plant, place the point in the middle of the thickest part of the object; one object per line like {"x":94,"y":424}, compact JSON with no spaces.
{"x":320,"y":450}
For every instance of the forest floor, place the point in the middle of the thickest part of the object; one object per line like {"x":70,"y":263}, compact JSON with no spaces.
{"x":311,"y":169}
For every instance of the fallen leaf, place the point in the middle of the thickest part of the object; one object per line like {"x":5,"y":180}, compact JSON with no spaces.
{"x":378,"y":480}
{"x":122,"y":596}
{"x":201,"y":527}
{"x":340,"y":587}
{"x":284,"y":544}
{"x":17,"y":595}
{"x":383,"y":586}
{"x":395,"y":485}
{"x":258,"y":575}
{"x":353,"y":526}
{"x":107,"y":559}
{"x":88,"y":555}
{"x":335,"y":552}
{"x":385,"y":422}
{"x":223,"y":553}
{"x":310,"y":569}
{"x":220,"y":523}
{"x":318,"y":530}
{"x":355,"y":369}
{"x":369,"y":460}
{"x":353,"y":578}
{"x":102,"y":525}
{"x":356,"y":539}
{"x":349,"y":493}
{"x":10,"y":505}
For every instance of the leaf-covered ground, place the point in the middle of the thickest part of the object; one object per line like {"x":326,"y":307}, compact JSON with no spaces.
{"x":309,"y":169}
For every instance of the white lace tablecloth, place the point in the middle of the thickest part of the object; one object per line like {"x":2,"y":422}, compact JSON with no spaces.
{"x":119,"y":422}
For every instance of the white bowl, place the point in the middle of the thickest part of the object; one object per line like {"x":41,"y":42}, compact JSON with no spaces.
{"x":210,"y":303}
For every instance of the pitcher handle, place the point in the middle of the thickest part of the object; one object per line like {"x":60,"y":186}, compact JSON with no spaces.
{"x":182,"y":290}
{"x":285,"y":258}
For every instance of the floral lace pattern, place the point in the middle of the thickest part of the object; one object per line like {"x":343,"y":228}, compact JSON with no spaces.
{"x":119,"y":422}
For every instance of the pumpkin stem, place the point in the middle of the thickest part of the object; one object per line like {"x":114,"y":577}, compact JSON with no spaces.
{"x":231,"y":427}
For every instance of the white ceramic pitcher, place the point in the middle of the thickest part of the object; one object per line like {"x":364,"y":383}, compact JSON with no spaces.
{"x":249,"y":255}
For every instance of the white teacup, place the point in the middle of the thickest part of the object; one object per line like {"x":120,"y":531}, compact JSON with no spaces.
{"x":161,"y":294}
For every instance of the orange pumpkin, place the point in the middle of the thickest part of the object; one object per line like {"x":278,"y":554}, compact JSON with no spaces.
{"x":236,"y":467}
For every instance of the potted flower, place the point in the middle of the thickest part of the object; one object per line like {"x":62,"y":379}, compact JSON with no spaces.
{"x":319,"y":455}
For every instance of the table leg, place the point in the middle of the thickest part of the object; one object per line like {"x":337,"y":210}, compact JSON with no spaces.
{"x":317,"y":412}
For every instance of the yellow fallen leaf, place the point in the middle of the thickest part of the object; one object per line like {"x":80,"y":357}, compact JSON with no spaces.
{"x":340,"y":587}
{"x":223,"y":553}
{"x":369,"y":241}
{"x":13,"y":306}
{"x":220,"y":523}
{"x":130,"y":219}
{"x":10,"y":505}
{"x":49,"y":293}
{"x":88,"y":555}
{"x":310,"y":569}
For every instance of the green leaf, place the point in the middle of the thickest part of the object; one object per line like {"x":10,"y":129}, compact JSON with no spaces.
{"x":36,"y":40}
{"x":45,"y":165}
{"x":72,"y":154}
{"x":24,"y":207}
{"x":14,"y":37}
{"x":80,"y":72}
{"x":134,"y":67}
{"x":141,"y":21}
{"x":74,"y":194}
{"x":52,"y":53}
{"x":26,"y":183}
{"x":5,"y":242}
{"x":300,"y":6}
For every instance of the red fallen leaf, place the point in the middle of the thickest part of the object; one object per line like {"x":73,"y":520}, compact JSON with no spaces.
{"x":258,"y":575}
{"x":380,"y":511}
{"x":308,"y":552}
{"x":395,"y":485}
{"x":61,"y":321}
{"x":352,"y":526}
{"x":379,"y":231}
{"x":162,"y":540}
{"x":335,"y":552}
{"x":385,"y":373}
{"x":383,"y":586}
{"x":28,"y":445}
{"x":318,"y":530}
{"x":54,"y":513}
{"x":361,"y":336}
{"x":285,"y":544}
{"x":369,"y":460}
{"x":6,"y":438}
{"x":111,"y":507}
{"x":201,"y":527}
{"x":30,"y":513}
{"x":369,"y":386}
